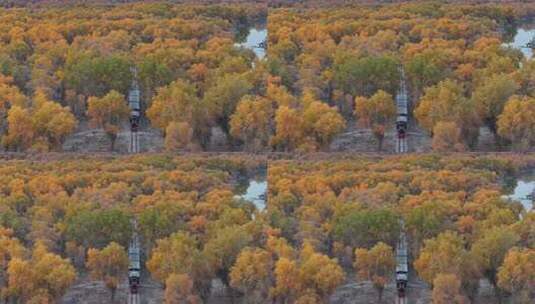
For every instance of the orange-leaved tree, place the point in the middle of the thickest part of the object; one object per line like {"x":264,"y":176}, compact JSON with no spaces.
{"x":179,"y":289}
{"x":517,"y":122}
{"x":447,"y":290}
{"x":516,"y":274}
{"x":252,"y":122}
{"x":376,"y":265}
{"x":109,"y":113}
{"x":108,"y":265}
{"x":376,"y":113}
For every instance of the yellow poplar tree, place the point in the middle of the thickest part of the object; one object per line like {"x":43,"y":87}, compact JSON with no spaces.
{"x":376,"y":113}
{"x":376,"y":265}
{"x":108,"y":265}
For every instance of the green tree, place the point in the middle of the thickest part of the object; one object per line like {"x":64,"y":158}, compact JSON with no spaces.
{"x":98,"y":228}
{"x":161,"y":220}
{"x":424,"y":71}
{"x":153,"y":74}
{"x":222,"y":98}
{"x":490,"y":251}
{"x":364,"y":76}
{"x":224,"y":247}
{"x":364,"y":228}
{"x":490,"y":98}
{"x":93,"y":75}
{"x":427,"y":220}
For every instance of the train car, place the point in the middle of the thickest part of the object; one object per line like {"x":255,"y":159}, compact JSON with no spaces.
{"x":134,"y":267}
{"x":402,"y":272}
{"x":133,"y":281}
{"x":401,"y":125}
{"x":134,"y":103}
{"x":402,"y":105}
{"x":402,"y":263}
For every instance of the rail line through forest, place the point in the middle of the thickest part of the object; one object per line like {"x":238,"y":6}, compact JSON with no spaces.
{"x":134,"y":142}
{"x":134,"y":266}
{"x":402,"y":266}
{"x":134,"y":103}
{"x":133,"y":298}
{"x":402,"y":257}
{"x":402,"y":115}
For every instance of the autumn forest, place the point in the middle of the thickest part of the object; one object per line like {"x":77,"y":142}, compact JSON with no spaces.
{"x":277,"y":152}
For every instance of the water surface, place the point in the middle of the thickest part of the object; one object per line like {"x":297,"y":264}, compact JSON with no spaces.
{"x":523,"y":35}
{"x":256,"y":193}
{"x":525,"y":186}
{"x":254,"y":38}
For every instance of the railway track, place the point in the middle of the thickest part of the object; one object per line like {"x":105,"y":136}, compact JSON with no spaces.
{"x":402,"y":266}
{"x":402,"y":120}
{"x":401,"y":300}
{"x":133,"y":298}
{"x":401,"y":145}
{"x":134,"y":142}
{"x":134,"y":266}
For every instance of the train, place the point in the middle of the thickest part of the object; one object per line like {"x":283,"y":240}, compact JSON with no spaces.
{"x":402,"y":265}
{"x":134,"y":265}
{"x":402,"y":108}
{"x":401,"y":125}
{"x":134,"y":269}
{"x":402,"y":272}
{"x":134,"y":103}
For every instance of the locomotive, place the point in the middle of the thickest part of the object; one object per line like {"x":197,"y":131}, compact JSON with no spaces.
{"x":402,"y":108}
{"x":401,"y":125}
{"x":402,"y":272}
{"x":402,"y":265}
{"x":134,"y":102}
{"x":134,"y":266}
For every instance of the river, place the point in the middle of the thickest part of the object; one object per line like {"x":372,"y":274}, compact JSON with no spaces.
{"x":525,"y":186}
{"x":256,"y":193}
{"x":524,"y":33}
{"x":255,"y":36}
{"x":253,"y":188}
